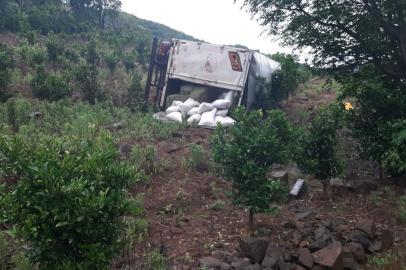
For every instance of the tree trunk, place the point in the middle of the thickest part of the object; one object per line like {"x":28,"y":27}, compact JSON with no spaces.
{"x":251,"y":225}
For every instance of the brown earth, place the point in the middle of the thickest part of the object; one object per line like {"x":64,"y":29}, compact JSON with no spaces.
{"x":191,"y":215}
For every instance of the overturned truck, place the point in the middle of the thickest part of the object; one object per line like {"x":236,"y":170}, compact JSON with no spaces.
{"x":210,"y":77}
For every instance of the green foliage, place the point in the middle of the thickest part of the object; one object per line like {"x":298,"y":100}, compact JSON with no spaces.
{"x":55,"y":48}
{"x":10,"y":16}
{"x":6,"y":65}
{"x":394,"y":159}
{"x":86,"y":77}
{"x":135,"y":93}
{"x":156,"y":261}
{"x":197,"y":157}
{"x":111,"y":58}
{"x":376,"y":121}
{"x":287,"y":79}
{"x":70,"y":199}
{"x":32,"y":55}
{"x":319,"y":145}
{"x":401,"y":209}
{"x":247,"y":151}
{"x":336,"y":34}
{"x":50,"y":86}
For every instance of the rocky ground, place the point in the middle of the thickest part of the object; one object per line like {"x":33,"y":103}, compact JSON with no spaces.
{"x":193,"y":223}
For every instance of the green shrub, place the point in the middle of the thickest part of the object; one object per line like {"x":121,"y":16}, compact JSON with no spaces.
{"x":197,"y":157}
{"x":111,"y":58}
{"x":86,"y":77}
{"x":319,"y":145}
{"x":50,"y":86}
{"x":379,"y":104}
{"x":246,"y":152}
{"x":401,"y":209}
{"x":70,"y":199}
{"x":156,"y":261}
{"x":6,"y":65}
{"x":55,"y":48}
{"x":394,"y":160}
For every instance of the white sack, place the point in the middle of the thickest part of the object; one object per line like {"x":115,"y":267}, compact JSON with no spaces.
{"x":208,"y":118}
{"x":222,"y":104}
{"x":222,"y":113}
{"x":187,"y":105}
{"x":229,"y":96}
{"x":225,"y":121}
{"x":175,"y":116}
{"x":193,"y":111}
{"x":194,"y":119}
{"x":205,"y":107}
{"x":177,"y":103}
{"x":172,"y":109}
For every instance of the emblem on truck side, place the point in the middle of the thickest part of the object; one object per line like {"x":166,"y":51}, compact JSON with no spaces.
{"x":235,"y":61}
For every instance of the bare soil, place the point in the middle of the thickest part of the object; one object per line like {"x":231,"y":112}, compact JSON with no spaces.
{"x":191,"y":215}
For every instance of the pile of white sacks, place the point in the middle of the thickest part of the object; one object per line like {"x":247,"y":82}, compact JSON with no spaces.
{"x":202,"y":114}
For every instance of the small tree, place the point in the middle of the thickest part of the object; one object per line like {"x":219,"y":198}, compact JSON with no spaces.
{"x":6,"y":64}
{"x":50,"y":86}
{"x":246,"y":152}
{"x":319,"y":152}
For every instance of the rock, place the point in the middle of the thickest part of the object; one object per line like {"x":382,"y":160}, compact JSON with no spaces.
{"x":330,"y":257}
{"x":281,"y":175}
{"x":272,"y":257}
{"x":297,"y":267}
{"x":357,"y":250}
{"x":387,"y":240}
{"x":254,"y":248}
{"x":256,"y":266}
{"x":367,"y":226}
{"x":225,"y":266}
{"x":349,"y":262}
{"x":296,"y":238}
{"x":365,"y":185}
{"x":375,"y":246}
{"x":303,"y":214}
{"x":125,"y":149}
{"x":117,"y":126}
{"x":305,"y":257}
{"x":320,"y":243}
{"x":240,"y":263}
{"x":359,"y":237}
{"x":210,"y":263}
{"x":338,"y":182}
{"x":321,"y":232}
{"x":36,"y":115}
{"x":290,"y":224}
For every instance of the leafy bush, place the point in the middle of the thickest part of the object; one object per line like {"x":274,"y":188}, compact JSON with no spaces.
{"x":319,"y":145}
{"x":86,"y":77}
{"x":52,"y":86}
{"x":55,"y":48}
{"x":70,"y":200}
{"x":111,"y":58}
{"x":247,"y":151}
{"x":375,"y":121}
{"x":401,"y":209}
{"x":394,"y":159}
{"x":197,"y":157}
{"x":6,"y":64}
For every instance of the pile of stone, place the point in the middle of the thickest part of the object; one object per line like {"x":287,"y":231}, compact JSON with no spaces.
{"x":203,"y":114}
{"x":330,"y":246}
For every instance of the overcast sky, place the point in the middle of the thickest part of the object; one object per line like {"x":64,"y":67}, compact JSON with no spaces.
{"x":215,"y":21}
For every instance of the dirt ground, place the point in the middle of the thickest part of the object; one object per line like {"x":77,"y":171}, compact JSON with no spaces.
{"x":190,"y":212}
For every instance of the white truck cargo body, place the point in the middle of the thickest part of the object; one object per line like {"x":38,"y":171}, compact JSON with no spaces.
{"x":221,"y":67}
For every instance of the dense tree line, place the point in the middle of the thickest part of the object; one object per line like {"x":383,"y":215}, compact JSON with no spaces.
{"x":363,"y":44}
{"x":56,"y":15}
